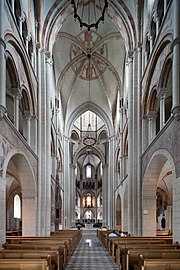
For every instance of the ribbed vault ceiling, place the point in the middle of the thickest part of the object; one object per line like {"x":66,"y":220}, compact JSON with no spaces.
{"x":89,"y":66}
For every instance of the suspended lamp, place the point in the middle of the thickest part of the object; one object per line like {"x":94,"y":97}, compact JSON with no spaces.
{"x":91,"y":14}
{"x":89,"y":138}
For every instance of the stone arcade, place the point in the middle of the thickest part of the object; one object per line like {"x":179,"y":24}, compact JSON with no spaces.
{"x":123,"y":80}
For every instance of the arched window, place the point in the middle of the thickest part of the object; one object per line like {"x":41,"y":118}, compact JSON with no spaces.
{"x":88,"y":200}
{"x":88,"y":171}
{"x":17,"y":206}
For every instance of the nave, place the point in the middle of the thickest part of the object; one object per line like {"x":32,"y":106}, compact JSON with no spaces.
{"x":90,"y":254}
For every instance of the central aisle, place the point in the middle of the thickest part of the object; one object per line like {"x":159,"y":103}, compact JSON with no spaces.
{"x":90,"y":254}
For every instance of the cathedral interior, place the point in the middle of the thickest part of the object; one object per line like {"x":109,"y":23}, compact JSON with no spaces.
{"x":90,"y":116}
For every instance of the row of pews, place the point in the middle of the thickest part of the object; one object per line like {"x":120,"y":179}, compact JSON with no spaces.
{"x":39,"y":253}
{"x":142,"y":253}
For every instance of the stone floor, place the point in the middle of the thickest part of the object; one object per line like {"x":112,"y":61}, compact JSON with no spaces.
{"x":90,"y":254}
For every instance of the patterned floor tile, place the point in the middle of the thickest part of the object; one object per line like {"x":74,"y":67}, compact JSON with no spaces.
{"x":91,"y":255}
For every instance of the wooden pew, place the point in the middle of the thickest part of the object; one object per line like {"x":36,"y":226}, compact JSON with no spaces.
{"x":162,"y":264}
{"x":61,"y":249}
{"x":118,"y":247}
{"x":73,"y":238}
{"x":163,"y":232}
{"x":55,"y":259}
{"x":114,"y":243}
{"x":25,"y":264}
{"x":65,"y":240}
{"x":132,"y":256}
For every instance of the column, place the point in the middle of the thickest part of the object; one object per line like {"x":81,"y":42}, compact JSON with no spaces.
{"x":169,"y":216}
{"x":39,"y":212}
{"x":2,"y":210}
{"x":3,"y":63}
{"x":139,"y":141}
{"x":21,"y":20}
{"x":145,"y":59}
{"x":157,"y":25}
{"x":12,"y":6}
{"x":27,"y":40}
{"x":145,"y":138}
{"x":152,"y":125}
{"x":96,"y":209}
{"x":162,"y":95}
{"x":176,"y":61}
{"x":151,"y":43}
{"x":72,"y":195}
{"x":33,"y":138}
{"x":67,"y":188}
{"x":27,"y":126}
{"x":17,"y":95}
{"x":165,"y":6}
{"x":136,"y":156}
{"x":104,"y":195}
{"x":130,"y":142}
{"x":121,"y":146}
{"x":49,"y":79}
{"x":42,"y":140}
{"x":29,"y":204}
{"x":111,"y":184}
{"x":32,"y":59}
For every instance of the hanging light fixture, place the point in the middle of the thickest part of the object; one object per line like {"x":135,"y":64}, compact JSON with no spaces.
{"x":89,"y":138}
{"x":91,"y":12}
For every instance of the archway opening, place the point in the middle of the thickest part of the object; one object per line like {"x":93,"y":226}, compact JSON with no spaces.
{"x":21,"y":196}
{"x":157,"y":196}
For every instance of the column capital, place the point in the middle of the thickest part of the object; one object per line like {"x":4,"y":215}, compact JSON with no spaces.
{"x":150,"y":38}
{"x":48,"y":58}
{"x":111,"y":138}
{"x":161,"y":93}
{"x":34,"y":117}
{"x":72,"y":166}
{"x":151,"y":115}
{"x":2,"y":42}
{"x":130,"y":55}
{"x":156,"y":18}
{"x":139,"y":46}
{"x":144,"y":117}
{"x":27,"y":115}
{"x":176,"y":112}
{"x":3,"y":110}
{"x":38,"y":45}
{"x":21,"y":18}
{"x":16,"y":92}
{"x":66,"y":138}
{"x":175,"y":42}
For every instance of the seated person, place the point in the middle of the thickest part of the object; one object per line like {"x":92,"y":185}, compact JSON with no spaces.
{"x":103,"y":229}
{"x":121,"y":233}
{"x":113,"y":234}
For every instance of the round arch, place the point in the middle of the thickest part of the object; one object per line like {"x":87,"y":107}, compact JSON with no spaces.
{"x":17,"y":161}
{"x":149,"y":187}
{"x":12,"y":42}
{"x":165,"y":42}
{"x":61,"y":11}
